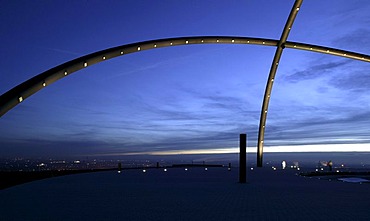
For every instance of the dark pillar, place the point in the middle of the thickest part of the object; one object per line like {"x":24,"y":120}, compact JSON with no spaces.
{"x":243,"y":159}
{"x":157,"y":164}
{"x":119,"y":167}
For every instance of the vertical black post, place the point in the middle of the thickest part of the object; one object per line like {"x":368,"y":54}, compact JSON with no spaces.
{"x":119,"y":167}
{"x":157,"y":164}
{"x":243,"y":159}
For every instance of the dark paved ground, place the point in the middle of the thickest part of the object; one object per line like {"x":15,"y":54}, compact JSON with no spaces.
{"x":195,"y":194}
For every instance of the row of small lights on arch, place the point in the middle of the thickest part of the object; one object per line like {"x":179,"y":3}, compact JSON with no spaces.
{"x":330,"y":52}
{"x":20,"y":98}
{"x":272,"y":80}
{"x":186,"y":42}
{"x":85,"y":64}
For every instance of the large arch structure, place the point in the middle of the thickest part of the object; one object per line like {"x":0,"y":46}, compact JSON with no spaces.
{"x":16,"y":95}
{"x":270,"y":81}
{"x":19,"y":93}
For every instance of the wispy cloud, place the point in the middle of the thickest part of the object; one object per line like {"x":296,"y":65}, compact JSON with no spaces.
{"x":314,"y":70}
{"x":355,"y":81}
{"x":355,"y":40}
{"x":350,"y":127}
{"x":63,"y":51}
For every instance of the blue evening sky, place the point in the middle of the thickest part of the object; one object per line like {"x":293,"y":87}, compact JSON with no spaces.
{"x":183,"y":99}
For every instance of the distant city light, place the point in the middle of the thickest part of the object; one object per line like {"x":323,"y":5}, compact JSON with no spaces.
{"x":283,"y":164}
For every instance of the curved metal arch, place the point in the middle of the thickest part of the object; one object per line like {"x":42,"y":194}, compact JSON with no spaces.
{"x":270,"y":81}
{"x":16,"y":95}
{"x":24,"y":90}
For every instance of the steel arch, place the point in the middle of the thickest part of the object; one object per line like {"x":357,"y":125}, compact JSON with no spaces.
{"x":270,"y":80}
{"x":19,"y":93}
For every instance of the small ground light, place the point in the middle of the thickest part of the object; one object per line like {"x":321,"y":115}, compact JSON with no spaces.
{"x":186,"y":169}
{"x":317,"y":170}
{"x":119,"y":171}
{"x":206,"y":169}
{"x":298,"y":168}
{"x":283,"y":164}
{"x":144,"y":171}
{"x":229,"y":169}
{"x":252,"y":168}
{"x":165,"y":170}
{"x":337,"y":171}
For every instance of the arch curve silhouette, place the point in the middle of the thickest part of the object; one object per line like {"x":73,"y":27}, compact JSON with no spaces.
{"x":19,"y":93}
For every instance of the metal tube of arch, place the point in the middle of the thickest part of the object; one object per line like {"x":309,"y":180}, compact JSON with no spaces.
{"x":18,"y":94}
{"x":270,"y":81}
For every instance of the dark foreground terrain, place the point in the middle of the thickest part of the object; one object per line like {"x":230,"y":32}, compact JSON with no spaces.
{"x":9,"y":179}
